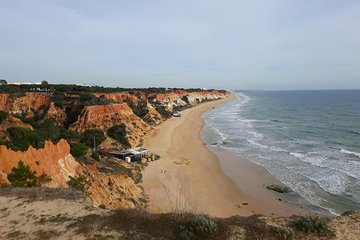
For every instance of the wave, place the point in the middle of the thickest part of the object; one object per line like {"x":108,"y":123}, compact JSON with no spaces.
{"x":243,"y":99}
{"x":275,"y":149}
{"x":298,"y":155}
{"x":256,"y":134}
{"x":356,"y":154}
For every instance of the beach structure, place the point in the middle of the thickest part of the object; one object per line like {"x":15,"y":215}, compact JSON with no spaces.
{"x":128,"y":155}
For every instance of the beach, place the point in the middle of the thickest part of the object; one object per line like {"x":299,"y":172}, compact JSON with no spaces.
{"x":190,"y":178}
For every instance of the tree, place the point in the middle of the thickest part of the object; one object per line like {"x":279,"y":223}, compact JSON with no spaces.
{"x":3,"y":115}
{"x":22,"y":176}
{"x":118,"y":132}
{"x":78,"y":149}
{"x":3,"y":82}
{"x":90,"y":135}
{"x":44,"y":82}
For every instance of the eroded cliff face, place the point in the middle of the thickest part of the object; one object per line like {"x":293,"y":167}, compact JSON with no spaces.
{"x":28,"y":104}
{"x":113,"y":190}
{"x":106,"y":116}
{"x":54,"y":160}
{"x":58,"y":114}
{"x":137,"y":110}
{"x":183,"y":98}
{"x":123,"y":97}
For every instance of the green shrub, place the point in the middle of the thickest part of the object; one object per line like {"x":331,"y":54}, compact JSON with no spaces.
{"x":3,"y":115}
{"x":314,"y":224}
{"x":80,"y":183}
{"x":89,"y":136}
{"x":22,"y":138}
{"x":78,"y":149}
{"x":22,"y":176}
{"x":48,"y":130}
{"x":197,"y":227}
{"x":118,"y":133}
{"x":59,"y":99}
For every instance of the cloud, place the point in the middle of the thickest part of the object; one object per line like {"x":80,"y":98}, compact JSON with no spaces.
{"x":275,"y":44}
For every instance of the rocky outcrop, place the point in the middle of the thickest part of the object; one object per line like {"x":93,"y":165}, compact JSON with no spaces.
{"x":58,"y":114}
{"x":106,"y":116}
{"x":27,"y":104}
{"x":182,"y":98}
{"x":11,"y":121}
{"x":113,"y":190}
{"x":122,"y":97}
{"x":54,"y":160}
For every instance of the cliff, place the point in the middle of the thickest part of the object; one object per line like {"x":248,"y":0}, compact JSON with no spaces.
{"x":113,"y":190}
{"x":28,"y":104}
{"x":54,"y":160}
{"x":105,"y":116}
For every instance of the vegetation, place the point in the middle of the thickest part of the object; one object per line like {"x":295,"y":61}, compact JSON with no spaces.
{"x":78,"y":149}
{"x":140,"y":110}
{"x":118,"y":133}
{"x":22,"y":176}
{"x":79,"y":183}
{"x":3,"y":115}
{"x":3,"y":82}
{"x":314,"y":224}
{"x":73,"y":88}
{"x":22,"y":138}
{"x":197,"y":227}
{"x":91,"y":135}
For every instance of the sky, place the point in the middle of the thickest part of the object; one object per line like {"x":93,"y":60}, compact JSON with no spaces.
{"x":225,"y":44}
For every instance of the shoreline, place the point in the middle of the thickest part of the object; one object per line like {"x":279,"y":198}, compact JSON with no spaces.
{"x":190,"y":177}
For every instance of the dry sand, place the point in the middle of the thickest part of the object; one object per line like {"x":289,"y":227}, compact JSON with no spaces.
{"x":189,"y":177}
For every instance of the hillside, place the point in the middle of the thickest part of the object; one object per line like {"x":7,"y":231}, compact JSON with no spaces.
{"x":53,"y":130}
{"x":65,"y":214}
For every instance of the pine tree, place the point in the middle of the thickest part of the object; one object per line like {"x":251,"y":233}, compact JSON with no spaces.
{"x":22,"y":176}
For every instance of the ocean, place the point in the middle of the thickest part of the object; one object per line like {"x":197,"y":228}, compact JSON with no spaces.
{"x":308,"y":140}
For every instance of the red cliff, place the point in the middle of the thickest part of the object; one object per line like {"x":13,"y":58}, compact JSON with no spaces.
{"x":106,"y":116}
{"x":54,"y":160}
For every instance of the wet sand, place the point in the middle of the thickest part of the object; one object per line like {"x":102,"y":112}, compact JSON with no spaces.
{"x":189,"y":176}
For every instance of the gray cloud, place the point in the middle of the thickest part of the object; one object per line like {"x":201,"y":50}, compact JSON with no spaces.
{"x":269,"y":44}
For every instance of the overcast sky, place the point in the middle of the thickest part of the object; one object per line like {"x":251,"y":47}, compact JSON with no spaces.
{"x":231,"y":44}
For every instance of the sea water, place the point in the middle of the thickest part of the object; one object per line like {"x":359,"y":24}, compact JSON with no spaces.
{"x":309,"y":140}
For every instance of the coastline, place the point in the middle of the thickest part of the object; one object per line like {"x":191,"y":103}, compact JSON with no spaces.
{"x":190,"y":177}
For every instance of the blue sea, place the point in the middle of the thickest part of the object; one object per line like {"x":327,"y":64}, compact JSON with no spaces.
{"x":309,"y":140}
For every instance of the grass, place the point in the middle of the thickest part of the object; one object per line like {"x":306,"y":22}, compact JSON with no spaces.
{"x":314,"y":224}
{"x":158,"y":226}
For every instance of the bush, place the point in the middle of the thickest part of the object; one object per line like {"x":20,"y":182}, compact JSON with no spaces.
{"x":3,"y":115}
{"x":314,"y":224}
{"x":58,"y":99}
{"x":118,"y":133}
{"x":48,"y":130}
{"x":22,"y":176}
{"x":197,"y":226}
{"x":78,"y":149}
{"x":80,"y":183}
{"x":88,"y":137}
{"x":22,"y":138}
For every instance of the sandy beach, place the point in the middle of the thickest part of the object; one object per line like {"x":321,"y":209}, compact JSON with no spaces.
{"x":189,"y":176}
